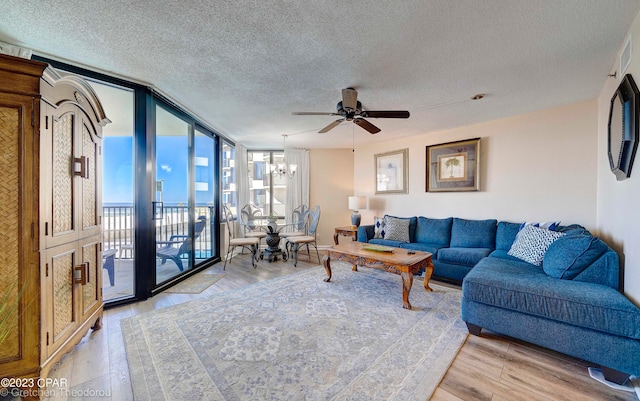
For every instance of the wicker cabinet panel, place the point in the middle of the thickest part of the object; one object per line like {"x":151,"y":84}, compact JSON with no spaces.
{"x":58,"y":289}
{"x":19,"y":260}
{"x":91,"y":257}
{"x":62,"y":134}
{"x":91,"y":210}
{"x":9,"y":223}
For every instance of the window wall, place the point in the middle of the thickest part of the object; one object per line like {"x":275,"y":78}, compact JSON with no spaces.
{"x":229,"y":196}
{"x":117,"y":187}
{"x":155,"y":152}
{"x":266,"y":191}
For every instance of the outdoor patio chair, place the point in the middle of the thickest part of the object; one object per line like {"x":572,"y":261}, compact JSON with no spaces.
{"x":179,"y":245}
{"x":108,"y":257}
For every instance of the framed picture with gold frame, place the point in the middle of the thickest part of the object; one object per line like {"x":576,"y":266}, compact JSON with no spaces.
{"x":392,"y":172}
{"x":454,"y":166}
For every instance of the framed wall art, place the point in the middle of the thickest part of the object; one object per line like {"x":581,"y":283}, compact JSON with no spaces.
{"x":392,"y":172}
{"x":454,"y":166}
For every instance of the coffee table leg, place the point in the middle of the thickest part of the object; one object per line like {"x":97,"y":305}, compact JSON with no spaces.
{"x":327,"y":266}
{"x":427,"y":276}
{"x":407,"y":282}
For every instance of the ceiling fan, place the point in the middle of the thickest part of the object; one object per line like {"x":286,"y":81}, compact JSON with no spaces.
{"x":350,"y":109}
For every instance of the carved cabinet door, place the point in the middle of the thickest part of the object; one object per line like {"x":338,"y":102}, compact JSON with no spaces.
{"x":71,"y":163}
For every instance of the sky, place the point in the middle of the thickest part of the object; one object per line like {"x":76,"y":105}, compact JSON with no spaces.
{"x":171,"y":162}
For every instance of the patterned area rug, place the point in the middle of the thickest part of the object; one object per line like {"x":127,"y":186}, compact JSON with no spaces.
{"x":299,"y":338}
{"x":195,"y":285}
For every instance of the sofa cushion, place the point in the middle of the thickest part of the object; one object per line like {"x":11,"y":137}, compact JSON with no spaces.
{"x":473,"y":233}
{"x":503,"y":254}
{"x":568,"y":256}
{"x":378,"y":227}
{"x":463,"y":256}
{"x":518,"y":286}
{"x":505,"y":235}
{"x":434,"y":231}
{"x":421,"y":246}
{"x":396,"y":229}
{"x":532,"y":242}
{"x":386,"y":242}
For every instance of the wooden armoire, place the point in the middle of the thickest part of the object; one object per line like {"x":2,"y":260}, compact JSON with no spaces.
{"x":50,"y":215}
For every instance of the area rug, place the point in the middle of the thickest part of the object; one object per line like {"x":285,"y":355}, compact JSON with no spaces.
{"x":195,"y":284}
{"x":299,"y":338}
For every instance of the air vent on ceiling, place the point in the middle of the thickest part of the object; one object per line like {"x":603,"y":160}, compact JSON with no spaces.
{"x":625,"y":57}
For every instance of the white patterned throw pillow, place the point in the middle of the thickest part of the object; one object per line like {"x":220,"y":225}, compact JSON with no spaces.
{"x":532,"y":243}
{"x":396,"y":229}
{"x":378,"y":227}
{"x":549,"y":225}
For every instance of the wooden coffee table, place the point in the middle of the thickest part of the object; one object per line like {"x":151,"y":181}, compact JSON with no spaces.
{"x":397,"y":261}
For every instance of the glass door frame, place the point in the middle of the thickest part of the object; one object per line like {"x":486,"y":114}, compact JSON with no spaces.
{"x":146,"y":194}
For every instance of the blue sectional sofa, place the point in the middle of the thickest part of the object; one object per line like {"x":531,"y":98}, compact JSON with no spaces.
{"x":565,"y":297}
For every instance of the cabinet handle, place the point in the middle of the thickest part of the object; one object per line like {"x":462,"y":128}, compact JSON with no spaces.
{"x":80,"y":273}
{"x":83,"y":163}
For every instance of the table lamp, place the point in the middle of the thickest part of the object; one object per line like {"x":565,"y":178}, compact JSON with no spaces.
{"x":357,"y":203}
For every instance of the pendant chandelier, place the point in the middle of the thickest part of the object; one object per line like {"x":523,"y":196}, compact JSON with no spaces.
{"x":282,"y":169}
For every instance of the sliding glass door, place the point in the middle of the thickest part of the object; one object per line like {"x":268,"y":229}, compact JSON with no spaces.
{"x":174,"y":253}
{"x":184,"y":204}
{"x":205,"y":160}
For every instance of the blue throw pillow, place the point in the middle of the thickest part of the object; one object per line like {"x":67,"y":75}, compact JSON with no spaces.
{"x":567,"y":257}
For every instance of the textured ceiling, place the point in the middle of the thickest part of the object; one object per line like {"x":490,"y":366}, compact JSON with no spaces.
{"x":243,"y":66}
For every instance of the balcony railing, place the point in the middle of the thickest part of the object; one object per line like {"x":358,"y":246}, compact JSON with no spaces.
{"x":118,"y":228}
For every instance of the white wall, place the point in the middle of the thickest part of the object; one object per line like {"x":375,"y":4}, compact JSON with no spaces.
{"x":536,"y":167}
{"x":618,"y":217}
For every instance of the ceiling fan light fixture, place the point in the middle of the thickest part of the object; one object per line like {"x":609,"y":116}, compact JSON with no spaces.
{"x":350,"y":109}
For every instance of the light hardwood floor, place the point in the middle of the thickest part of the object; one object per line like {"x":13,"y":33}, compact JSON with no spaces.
{"x":489,"y":367}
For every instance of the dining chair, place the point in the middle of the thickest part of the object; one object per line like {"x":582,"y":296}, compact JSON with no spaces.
{"x":234,"y":242}
{"x":297,"y":226}
{"x":249,"y":215}
{"x":312,"y":219}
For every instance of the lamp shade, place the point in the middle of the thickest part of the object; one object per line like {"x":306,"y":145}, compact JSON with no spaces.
{"x":357,"y":202}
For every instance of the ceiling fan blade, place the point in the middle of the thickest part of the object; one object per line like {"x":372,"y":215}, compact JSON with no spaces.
{"x":313,"y":113}
{"x":331,"y":126}
{"x":349,"y":99}
{"x":385,"y":113}
{"x":366,"y":125}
